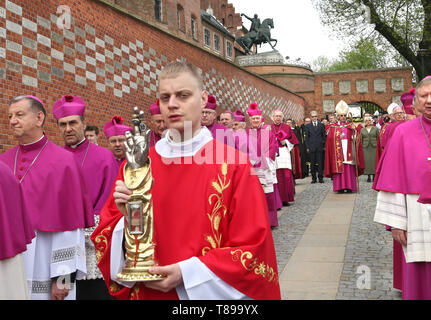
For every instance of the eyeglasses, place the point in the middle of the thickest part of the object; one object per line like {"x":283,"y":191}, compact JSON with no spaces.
{"x":207,"y":113}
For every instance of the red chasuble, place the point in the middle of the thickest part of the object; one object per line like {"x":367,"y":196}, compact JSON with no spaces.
{"x":291,"y":137}
{"x":389,"y":132}
{"x":216,"y":212}
{"x":334,"y":156}
{"x":379,"y":150}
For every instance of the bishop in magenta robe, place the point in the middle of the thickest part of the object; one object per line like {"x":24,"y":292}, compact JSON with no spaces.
{"x":56,"y":198}
{"x":402,"y":201}
{"x":16,"y":232}
{"x":99,"y":168}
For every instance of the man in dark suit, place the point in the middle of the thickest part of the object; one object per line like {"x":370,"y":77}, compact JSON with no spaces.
{"x":315,"y":138}
{"x":305,"y":157}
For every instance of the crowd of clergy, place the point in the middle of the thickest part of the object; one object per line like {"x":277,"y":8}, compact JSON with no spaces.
{"x":39,"y":252}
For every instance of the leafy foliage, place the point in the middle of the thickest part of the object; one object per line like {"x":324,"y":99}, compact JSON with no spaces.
{"x":399,"y":27}
{"x":363,"y":55}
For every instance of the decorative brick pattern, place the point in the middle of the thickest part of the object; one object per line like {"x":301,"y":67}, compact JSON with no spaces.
{"x":112,"y":61}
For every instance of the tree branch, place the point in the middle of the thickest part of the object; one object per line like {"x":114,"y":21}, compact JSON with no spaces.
{"x":394,"y":39}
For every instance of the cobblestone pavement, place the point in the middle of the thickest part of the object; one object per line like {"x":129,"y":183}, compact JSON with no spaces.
{"x":367,"y":271}
{"x":295,"y":218}
{"x":369,"y":249}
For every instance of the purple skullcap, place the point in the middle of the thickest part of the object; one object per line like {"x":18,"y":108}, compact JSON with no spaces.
{"x":211,"y":104}
{"x":155,"y":108}
{"x":37,"y":99}
{"x":253,"y":110}
{"x":115,"y":127}
{"x":407,"y":100}
{"x":239,"y":116}
{"x":68,"y":106}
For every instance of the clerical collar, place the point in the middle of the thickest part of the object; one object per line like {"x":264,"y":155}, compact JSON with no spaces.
{"x":34,"y":145}
{"x":170,"y":149}
{"x":78,"y":144}
{"x":27,"y":144}
{"x":427,"y":120}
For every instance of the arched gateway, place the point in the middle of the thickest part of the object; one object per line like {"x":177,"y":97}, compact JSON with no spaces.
{"x":369,"y":107}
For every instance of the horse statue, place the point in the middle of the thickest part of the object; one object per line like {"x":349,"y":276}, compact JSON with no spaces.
{"x":263,"y":35}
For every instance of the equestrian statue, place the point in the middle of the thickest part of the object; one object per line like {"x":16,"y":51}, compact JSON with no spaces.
{"x":258,"y":34}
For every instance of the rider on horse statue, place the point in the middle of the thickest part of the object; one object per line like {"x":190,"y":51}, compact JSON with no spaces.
{"x":259,"y":33}
{"x":255,"y":22}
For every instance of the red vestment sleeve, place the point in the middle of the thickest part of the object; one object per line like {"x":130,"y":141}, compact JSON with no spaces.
{"x":360,"y":161}
{"x":331,"y":166}
{"x":379,"y":151}
{"x":296,"y":163}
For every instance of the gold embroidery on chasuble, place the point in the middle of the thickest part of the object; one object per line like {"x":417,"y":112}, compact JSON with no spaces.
{"x":252,"y":264}
{"x":135,"y":292}
{"x":101,"y":243}
{"x":338,"y":149}
{"x":114,"y":287}
{"x":218,"y":212}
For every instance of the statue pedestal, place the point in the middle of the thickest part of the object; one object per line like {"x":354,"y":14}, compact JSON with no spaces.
{"x":260,"y":59}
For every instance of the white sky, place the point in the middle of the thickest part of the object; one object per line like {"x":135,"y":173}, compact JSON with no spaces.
{"x":297,"y":28}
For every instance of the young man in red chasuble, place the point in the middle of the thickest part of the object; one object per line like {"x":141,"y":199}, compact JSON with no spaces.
{"x":212,"y":242}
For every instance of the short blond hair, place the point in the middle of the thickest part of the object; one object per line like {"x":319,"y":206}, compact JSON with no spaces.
{"x":174,"y":69}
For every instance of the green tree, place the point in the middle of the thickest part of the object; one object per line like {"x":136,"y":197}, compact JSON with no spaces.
{"x":363,"y":55}
{"x":322,"y":64}
{"x":401,"y":27}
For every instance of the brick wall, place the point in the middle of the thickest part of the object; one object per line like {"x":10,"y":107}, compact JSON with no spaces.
{"x":294,"y":78}
{"x":381,"y":87}
{"x":322,"y":91}
{"x":145,"y":10}
{"x":111,"y":60}
{"x":224,"y":12}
